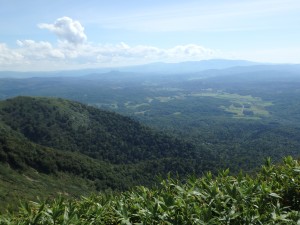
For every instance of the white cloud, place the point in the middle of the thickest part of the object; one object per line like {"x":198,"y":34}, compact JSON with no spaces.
{"x":122,"y":54}
{"x":67,"y":29}
{"x":32,"y":55}
{"x":191,"y":52}
{"x":43,"y":55}
{"x":32,"y":50}
{"x":73,"y":50}
{"x":9,"y":56}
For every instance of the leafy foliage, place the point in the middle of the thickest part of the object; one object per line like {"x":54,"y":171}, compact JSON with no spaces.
{"x":270,"y":197}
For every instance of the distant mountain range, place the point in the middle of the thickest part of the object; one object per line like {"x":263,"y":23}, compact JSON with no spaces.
{"x":189,"y":66}
{"x":165,"y":68}
{"x":231,"y":66}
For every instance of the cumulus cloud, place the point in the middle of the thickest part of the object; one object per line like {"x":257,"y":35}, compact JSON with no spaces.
{"x":67,"y":29}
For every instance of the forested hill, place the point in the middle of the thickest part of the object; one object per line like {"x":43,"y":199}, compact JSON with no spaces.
{"x":71,"y":126}
{"x":106,"y":150}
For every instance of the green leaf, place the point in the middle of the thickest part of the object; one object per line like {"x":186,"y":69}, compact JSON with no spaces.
{"x":274,"y":195}
{"x":297,"y":170}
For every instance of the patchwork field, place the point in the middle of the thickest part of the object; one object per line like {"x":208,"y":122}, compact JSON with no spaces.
{"x":240,"y":106}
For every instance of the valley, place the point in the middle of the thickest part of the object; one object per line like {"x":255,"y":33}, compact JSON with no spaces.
{"x":109,"y":132}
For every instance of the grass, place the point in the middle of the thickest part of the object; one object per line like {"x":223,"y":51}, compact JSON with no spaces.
{"x":31,"y":185}
{"x":177,"y":113}
{"x":135,"y":106}
{"x":242,"y":105}
{"x":112,"y":105}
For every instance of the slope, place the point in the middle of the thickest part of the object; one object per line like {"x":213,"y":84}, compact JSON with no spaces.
{"x":71,"y":126}
{"x":54,"y":139}
{"x":29,"y":171}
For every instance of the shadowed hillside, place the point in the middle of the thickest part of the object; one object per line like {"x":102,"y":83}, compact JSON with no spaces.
{"x":101,"y":150}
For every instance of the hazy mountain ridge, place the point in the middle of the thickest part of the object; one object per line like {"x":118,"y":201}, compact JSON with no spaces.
{"x":160,"y":68}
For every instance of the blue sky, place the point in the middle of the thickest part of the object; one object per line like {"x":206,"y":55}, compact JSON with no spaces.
{"x":72,"y":34}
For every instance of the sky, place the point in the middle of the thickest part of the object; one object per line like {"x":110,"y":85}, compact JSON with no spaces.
{"x":46,"y":35}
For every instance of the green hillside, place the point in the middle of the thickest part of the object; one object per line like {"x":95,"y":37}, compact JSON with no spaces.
{"x":44,"y":140}
{"x":272,"y":196}
{"x":103,"y":135}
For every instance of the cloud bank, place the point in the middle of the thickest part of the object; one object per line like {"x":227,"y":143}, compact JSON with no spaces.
{"x":9,"y":56}
{"x":72,"y":51}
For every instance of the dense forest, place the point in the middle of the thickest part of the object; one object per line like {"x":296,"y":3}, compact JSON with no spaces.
{"x":107,"y":151}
